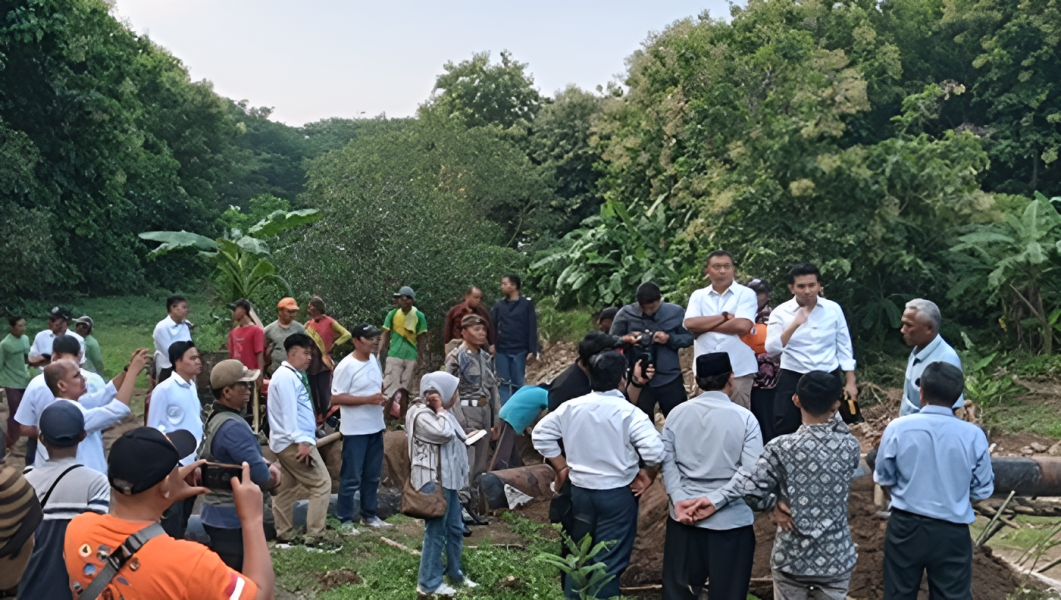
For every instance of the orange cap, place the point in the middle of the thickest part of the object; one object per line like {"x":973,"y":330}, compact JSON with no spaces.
{"x":287,"y":303}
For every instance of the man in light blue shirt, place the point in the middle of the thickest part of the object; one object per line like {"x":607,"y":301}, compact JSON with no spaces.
{"x":936,"y":465}
{"x":921,"y":322}
{"x":293,"y":437}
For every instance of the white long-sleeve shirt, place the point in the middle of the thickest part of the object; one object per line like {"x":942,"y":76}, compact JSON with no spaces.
{"x":603,"y":435}
{"x":166,"y":333}
{"x":291,"y":417}
{"x":822,"y":343}
{"x":175,"y":405}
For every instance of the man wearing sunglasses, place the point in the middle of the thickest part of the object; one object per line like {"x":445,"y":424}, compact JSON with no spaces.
{"x":277,"y":331}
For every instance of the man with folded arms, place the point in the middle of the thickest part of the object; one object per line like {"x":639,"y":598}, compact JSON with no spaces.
{"x":146,"y":478}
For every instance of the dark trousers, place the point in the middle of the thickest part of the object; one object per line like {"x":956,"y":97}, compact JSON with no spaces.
{"x":175,"y":519}
{"x":692,"y":556}
{"x":14,"y":397}
{"x":914,"y":544}
{"x":763,"y":409}
{"x":511,"y":370}
{"x":667,"y":395}
{"x":787,"y":417}
{"x":228,"y":544}
{"x":361,"y":471}
{"x":320,"y":389}
{"x":506,"y":454}
{"x":606,"y":515}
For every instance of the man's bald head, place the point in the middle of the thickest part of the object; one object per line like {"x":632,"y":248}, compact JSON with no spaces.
{"x":63,"y":377}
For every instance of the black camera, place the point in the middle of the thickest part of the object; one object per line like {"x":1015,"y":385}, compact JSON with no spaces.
{"x":643,"y":351}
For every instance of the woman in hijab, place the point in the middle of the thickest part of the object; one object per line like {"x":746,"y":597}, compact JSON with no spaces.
{"x":436,"y":441}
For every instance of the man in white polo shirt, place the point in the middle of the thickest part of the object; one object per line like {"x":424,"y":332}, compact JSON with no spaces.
{"x":718,"y":315}
{"x":41,"y":350}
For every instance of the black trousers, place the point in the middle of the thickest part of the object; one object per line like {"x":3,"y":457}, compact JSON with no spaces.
{"x":320,"y":389}
{"x":787,"y":418}
{"x":692,"y":556}
{"x":175,"y":519}
{"x":667,"y":395}
{"x":228,"y":544}
{"x":914,"y":544}
{"x":763,"y":409}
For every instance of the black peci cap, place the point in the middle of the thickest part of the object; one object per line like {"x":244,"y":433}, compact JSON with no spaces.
{"x":143,"y":457}
{"x":712,"y":364}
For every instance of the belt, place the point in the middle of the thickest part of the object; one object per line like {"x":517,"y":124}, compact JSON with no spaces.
{"x":481,"y":401}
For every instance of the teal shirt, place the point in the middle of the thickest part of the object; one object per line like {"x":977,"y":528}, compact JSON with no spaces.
{"x":14,"y":373}
{"x":524,"y":406}
{"x":93,"y":355}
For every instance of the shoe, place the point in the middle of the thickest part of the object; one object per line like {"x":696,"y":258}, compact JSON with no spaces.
{"x":378,"y":523}
{"x":442,"y":590}
{"x":467,"y":584}
{"x":347,"y":529}
{"x":467,"y":531}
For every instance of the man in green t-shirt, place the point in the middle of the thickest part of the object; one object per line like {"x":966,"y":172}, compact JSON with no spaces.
{"x":14,"y":373}
{"x":93,"y":355}
{"x":401,"y":337}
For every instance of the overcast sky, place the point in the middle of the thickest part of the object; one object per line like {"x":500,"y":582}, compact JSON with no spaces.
{"x":315,"y":59}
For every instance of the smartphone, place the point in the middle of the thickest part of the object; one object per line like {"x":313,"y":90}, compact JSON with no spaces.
{"x":217,"y":476}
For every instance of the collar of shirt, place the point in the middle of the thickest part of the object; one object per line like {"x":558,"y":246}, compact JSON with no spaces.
{"x":728,"y":290}
{"x":932,"y":409}
{"x":712,"y":396}
{"x":928,"y":349}
{"x":611,"y":394}
{"x":177,"y":379}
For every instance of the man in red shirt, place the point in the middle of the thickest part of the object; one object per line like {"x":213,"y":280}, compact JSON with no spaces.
{"x":472,"y":305}
{"x":246,"y":342}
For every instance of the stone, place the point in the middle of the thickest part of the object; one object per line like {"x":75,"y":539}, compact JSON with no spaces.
{"x":1055,"y":450}
{"x":1038,"y":448}
{"x":1027,"y":451}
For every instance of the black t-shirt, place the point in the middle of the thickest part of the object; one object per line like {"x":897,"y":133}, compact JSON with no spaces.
{"x":572,"y":383}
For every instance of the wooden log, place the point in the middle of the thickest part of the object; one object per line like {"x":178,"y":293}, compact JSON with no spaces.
{"x":391,"y":542}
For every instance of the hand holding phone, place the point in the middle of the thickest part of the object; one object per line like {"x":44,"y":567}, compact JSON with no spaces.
{"x":218,"y":476}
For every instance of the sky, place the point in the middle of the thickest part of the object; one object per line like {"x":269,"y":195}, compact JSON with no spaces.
{"x":315,"y":59}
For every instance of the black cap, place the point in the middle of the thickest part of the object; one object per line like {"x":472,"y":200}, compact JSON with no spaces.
{"x":143,"y":457}
{"x":241,"y":303}
{"x":365,"y":330}
{"x":61,"y":424}
{"x":59,"y":312}
{"x":713,"y":364}
{"x":66,"y":344}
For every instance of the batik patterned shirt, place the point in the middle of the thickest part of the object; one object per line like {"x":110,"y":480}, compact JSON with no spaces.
{"x":811,"y":471}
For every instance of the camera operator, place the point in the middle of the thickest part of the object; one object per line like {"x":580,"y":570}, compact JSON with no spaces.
{"x":652,"y":332}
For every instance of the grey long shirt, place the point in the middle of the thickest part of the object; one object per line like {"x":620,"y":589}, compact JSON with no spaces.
{"x":707,"y":440}
{"x":669,"y":319}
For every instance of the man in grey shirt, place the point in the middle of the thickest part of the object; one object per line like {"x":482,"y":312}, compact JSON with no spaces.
{"x":277,"y":331}
{"x":651,"y":317}
{"x":707,"y":440}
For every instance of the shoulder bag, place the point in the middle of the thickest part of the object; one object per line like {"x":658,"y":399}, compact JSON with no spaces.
{"x":417,"y":504}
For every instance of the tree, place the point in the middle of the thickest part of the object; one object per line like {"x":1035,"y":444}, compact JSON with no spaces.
{"x":484,"y":94}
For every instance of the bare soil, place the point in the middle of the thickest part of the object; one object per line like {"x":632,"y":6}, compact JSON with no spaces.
{"x":333,"y":579}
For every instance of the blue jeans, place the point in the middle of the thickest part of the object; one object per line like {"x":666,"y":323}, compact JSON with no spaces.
{"x":446,"y":531}
{"x":606,"y":515}
{"x":361,"y":470}
{"x":510,"y":368}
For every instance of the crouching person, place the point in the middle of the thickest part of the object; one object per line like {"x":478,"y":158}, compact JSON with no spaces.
{"x":127,"y":553}
{"x":228,"y":439}
{"x":605,"y":437}
{"x":436,"y":443}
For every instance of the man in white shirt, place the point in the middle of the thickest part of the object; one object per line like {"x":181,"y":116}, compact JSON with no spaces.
{"x":707,"y":440}
{"x":605,"y":438}
{"x":357,"y":387}
{"x":810,"y":333}
{"x":41,"y":350}
{"x":37,"y":397}
{"x":718,"y":315}
{"x":293,"y":438}
{"x":174,"y":328}
{"x":174,"y":406}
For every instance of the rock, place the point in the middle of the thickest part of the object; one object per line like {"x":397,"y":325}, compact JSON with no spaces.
{"x":1038,"y":448}
{"x":1027,"y":451}
{"x":1055,"y":450}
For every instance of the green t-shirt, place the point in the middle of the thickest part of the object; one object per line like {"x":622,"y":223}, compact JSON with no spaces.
{"x":93,"y":356}
{"x":14,"y":373}
{"x":403,"y":341}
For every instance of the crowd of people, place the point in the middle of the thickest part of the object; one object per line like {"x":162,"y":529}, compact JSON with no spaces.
{"x":766,"y":433}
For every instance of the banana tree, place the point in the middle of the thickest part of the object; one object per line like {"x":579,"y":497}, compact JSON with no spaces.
{"x":240,"y":265}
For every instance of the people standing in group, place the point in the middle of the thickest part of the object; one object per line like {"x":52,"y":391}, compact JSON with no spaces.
{"x":652,"y":318}
{"x":65,"y":489}
{"x":516,"y":322}
{"x":277,"y":331}
{"x":935,"y":466}
{"x":228,"y":439}
{"x":605,"y":319}
{"x":472,"y":304}
{"x":293,"y":438}
{"x":515,"y":417}
{"x":810,"y":472}
{"x":14,"y":373}
{"x":327,"y":333}
{"x":810,"y":333}
{"x":175,"y":405}
{"x":605,"y":440}
{"x":921,"y":322}
{"x":41,"y":350}
{"x":174,"y":328}
{"x":93,"y":355}
{"x":246,"y":341}
{"x":357,"y":389}
{"x":437,"y":456}
{"x":402,"y":331}
{"x":146,"y":478}
{"x":479,"y":403}
{"x":718,"y":315}
{"x":769,"y":366}
{"x":709,"y":530}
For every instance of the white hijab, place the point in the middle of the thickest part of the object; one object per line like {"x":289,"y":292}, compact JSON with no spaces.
{"x":441,"y":382}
